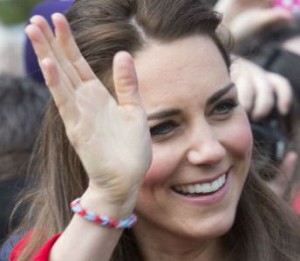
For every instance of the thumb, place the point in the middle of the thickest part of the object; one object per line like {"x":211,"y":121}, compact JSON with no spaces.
{"x":254,"y":21}
{"x":273,"y":16}
{"x":125,"y":79}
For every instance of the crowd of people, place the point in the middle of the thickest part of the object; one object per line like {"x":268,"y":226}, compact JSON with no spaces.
{"x":152,"y":130}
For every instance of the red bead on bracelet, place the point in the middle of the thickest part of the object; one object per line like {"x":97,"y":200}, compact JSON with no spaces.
{"x":102,"y":220}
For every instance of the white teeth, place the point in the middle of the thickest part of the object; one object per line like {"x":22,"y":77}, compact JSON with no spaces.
{"x":204,"y":187}
{"x":215,"y":185}
{"x":198,"y":187}
{"x":191,"y":188}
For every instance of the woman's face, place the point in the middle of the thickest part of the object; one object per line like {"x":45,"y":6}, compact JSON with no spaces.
{"x":201,"y":140}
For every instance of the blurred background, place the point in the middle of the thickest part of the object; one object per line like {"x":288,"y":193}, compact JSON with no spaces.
{"x":13,"y":16}
{"x":23,"y":100}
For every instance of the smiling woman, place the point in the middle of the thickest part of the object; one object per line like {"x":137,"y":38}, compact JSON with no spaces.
{"x":193,"y":147}
{"x":145,"y":119}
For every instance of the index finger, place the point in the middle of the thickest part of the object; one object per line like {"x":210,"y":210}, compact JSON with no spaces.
{"x":283,"y":90}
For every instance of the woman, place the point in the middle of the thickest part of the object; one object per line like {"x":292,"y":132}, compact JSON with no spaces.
{"x":187,"y":179}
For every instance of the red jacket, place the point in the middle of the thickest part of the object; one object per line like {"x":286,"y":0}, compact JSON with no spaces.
{"x":42,"y":255}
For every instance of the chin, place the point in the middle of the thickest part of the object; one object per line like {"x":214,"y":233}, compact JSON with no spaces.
{"x":210,"y":227}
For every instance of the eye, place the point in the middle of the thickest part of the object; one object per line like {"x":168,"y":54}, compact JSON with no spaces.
{"x":163,"y":128}
{"x":224,"y":107}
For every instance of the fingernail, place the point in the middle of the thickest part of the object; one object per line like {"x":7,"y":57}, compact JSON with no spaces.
{"x":56,"y":14}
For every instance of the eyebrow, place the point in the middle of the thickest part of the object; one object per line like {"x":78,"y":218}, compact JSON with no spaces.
{"x":220,"y":93}
{"x":173,"y":112}
{"x":163,"y":114}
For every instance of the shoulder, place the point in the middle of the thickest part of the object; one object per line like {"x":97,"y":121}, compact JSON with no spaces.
{"x":8,"y":246}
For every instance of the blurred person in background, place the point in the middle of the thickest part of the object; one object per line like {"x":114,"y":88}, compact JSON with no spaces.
{"x":245,"y":19}
{"x":22,"y":103}
{"x":269,"y":35}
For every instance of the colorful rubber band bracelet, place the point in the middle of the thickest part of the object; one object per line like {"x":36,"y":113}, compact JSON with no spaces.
{"x":102,"y":220}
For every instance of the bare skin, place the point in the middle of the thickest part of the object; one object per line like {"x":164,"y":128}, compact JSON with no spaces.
{"x":78,"y":93}
{"x":257,"y":87}
{"x":136,"y":172}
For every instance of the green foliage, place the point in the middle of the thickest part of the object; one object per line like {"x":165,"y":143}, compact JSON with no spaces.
{"x":15,"y":11}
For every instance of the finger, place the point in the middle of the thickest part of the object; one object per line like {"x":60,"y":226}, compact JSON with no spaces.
{"x":56,"y":52}
{"x":70,"y":48}
{"x":264,"y":100}
{"x":245,"y":92}
{"x":283,"y":91}
{"x":37,"y":39}
{"x":63,"y":99}
{"x":244,"y":25}
{"x":43,"y":50}
{"x":274,"y":15}
{"x":240,"y":76}
{"x":66,"y":69}
{"x":43,"y":25}
{"x":125,"y":80}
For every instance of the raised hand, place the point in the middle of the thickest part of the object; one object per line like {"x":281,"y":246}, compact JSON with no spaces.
{"x":258,"y":88}
{"x":238,"y":16}
{"x":111,"y":136}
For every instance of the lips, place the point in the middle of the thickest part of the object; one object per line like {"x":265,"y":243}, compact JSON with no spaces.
{"x":200,"y":189}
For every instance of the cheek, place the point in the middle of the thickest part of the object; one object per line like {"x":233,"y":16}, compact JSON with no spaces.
{"x":239,"y":137}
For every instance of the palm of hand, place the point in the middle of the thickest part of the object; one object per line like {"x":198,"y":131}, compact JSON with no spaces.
{"x":111,"y":139}
{"x":110,"y":136}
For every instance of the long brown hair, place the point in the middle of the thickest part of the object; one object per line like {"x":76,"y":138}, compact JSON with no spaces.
{"x":264,"y":228}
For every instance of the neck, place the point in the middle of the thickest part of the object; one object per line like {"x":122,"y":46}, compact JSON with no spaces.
{"x":167,"y":247}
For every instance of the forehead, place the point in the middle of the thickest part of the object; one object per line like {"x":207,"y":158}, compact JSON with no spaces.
{"x":174,"y":72}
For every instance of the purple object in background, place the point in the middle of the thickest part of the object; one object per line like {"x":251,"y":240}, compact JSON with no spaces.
{"x":45,"y":8}
{"x":291,"y":5}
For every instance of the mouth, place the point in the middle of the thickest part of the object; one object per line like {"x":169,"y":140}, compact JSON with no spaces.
{"x":201,"y":189}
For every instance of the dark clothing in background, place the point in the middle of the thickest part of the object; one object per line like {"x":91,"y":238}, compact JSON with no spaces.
{"x":9,"y":190}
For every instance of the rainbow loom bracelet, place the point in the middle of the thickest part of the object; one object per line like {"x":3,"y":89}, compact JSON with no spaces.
{"x":101,"y":219}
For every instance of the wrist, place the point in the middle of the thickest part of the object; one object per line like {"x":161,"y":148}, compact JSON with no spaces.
{"x":100,"y":201}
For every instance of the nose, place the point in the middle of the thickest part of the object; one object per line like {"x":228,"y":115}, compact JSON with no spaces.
{"x":205,"y":147}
